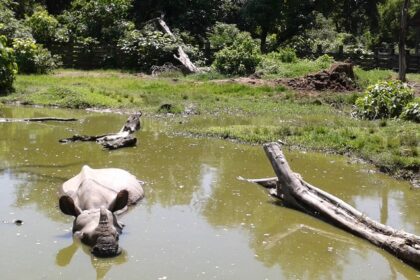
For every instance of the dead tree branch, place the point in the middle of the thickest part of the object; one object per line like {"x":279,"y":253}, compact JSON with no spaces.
{"x":112,"y":141}
{"x":3,"y":120}
{"x":182,"y":56}
{"x":298,"y":194}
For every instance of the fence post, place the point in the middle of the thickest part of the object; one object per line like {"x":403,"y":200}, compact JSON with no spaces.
{"x":376,"y":57}
{"x":319,"y":49}
{"x":340,"y":52}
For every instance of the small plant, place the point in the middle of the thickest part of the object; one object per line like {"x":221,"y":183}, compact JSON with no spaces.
{"x":411,"y":112}
{"x":383,"y":100}
{"x":287,"y":55}
{"x":324,"y":61}
{"x":8,"y":66}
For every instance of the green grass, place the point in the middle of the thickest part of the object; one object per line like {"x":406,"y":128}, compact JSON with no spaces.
{"x":273,"y":68}
{"x":253,"y":114}
{"x":368,"y":77}
{"x":112,"y":89}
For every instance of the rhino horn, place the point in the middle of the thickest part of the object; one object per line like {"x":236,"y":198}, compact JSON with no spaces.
{"x":103,"y":217}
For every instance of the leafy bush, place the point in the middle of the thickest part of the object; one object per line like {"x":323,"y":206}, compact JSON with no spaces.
{"x":383,"y":100}
{"x":43,"y":25}
{"x":411,"y":112}
{"x":33,"y":58}
{"x":286,"y":55}
{"x":146,"y":48}
{"x":324,"y":61}
{"x":8,"y":66}
{"x":241,"y":58}
{"x":222,"y":35}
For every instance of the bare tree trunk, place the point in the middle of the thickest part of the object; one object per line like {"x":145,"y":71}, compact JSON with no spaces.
{"x":401,"y":45}
{"x":182,"y":56}
{"x":297,"y":193}
{"x":113,"y":141}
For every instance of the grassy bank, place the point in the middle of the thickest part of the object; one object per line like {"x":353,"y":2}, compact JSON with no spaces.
{"x":248,"y":113}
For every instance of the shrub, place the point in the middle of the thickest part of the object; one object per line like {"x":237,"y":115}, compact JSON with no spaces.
{"x":411,"y":112}
{"x":146,"y":48}
{"x":324,"y":61}
{"x":241,"y":58}
{"x":287,"y":55}
{"x":222,"y":35}
{"x":43,"y":25}
{"x":33,"y":58}
{"x":8,"y":66}
{"x":383,"y":100}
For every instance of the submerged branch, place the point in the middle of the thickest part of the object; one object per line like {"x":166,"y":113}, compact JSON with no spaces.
{"x":3,"y":120}
{"x":113,"y":141}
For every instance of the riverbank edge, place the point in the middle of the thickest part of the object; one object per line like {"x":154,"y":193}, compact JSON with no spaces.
{"x":397,"y":173}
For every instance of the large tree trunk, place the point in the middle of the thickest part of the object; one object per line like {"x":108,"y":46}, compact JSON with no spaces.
{"x":182,"y":56}
{"x":401,"y":46}
{"x":113,"y":141}
{"x":298,"y":194}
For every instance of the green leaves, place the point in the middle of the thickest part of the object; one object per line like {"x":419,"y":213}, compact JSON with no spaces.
{"x":385,"y":99}
{"x":32,"y":57}
{"x":43,"y":26}
{"x":8,"y":66}
{"x":240,"y":58}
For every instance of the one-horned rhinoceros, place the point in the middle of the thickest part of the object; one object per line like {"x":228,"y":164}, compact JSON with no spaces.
{"x":93,"y":197}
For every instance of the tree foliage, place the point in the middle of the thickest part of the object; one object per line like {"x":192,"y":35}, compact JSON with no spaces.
{"x":8,"y":66}
{"x":207,"y":25}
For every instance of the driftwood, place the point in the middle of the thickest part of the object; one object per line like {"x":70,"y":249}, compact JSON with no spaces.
{"x":112,"y":141}
{"x":3,"y":120}
{"x":182,"y":56}
{"x":298,"y":194}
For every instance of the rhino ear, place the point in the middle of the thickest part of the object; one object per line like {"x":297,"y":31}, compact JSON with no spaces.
{"x":68,"y":207}
{"x":119,"y":202}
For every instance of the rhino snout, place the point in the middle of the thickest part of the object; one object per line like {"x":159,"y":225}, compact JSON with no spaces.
{"x":106,"y":247}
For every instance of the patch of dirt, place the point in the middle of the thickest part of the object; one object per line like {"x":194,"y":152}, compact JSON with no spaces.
{"x":340,"y":77}
{"x":251,"y":80}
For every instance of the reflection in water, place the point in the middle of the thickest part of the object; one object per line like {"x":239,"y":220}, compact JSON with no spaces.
{"x":208,"y":178}
{"x":101,"y":266}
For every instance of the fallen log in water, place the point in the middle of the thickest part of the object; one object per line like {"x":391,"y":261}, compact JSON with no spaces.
{"x":113,"y":141}
{"x":296,"y":193}
{"x":2,"y":120}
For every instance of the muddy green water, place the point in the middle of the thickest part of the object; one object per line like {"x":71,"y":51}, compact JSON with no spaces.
{"x":197,"y":221}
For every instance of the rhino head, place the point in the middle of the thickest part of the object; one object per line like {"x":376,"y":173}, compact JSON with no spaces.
{"x":97,"y":227}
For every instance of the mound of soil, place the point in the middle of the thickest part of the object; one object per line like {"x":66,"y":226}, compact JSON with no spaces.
{"x":340,"y":77}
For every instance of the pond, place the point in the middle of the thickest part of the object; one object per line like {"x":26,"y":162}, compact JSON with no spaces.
{"x":197,"y":220}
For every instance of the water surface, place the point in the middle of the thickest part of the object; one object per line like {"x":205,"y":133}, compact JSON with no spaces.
{"x":197,"y":221}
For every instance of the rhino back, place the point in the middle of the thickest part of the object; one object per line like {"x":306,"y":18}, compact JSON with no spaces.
{"x":103,"y":182}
